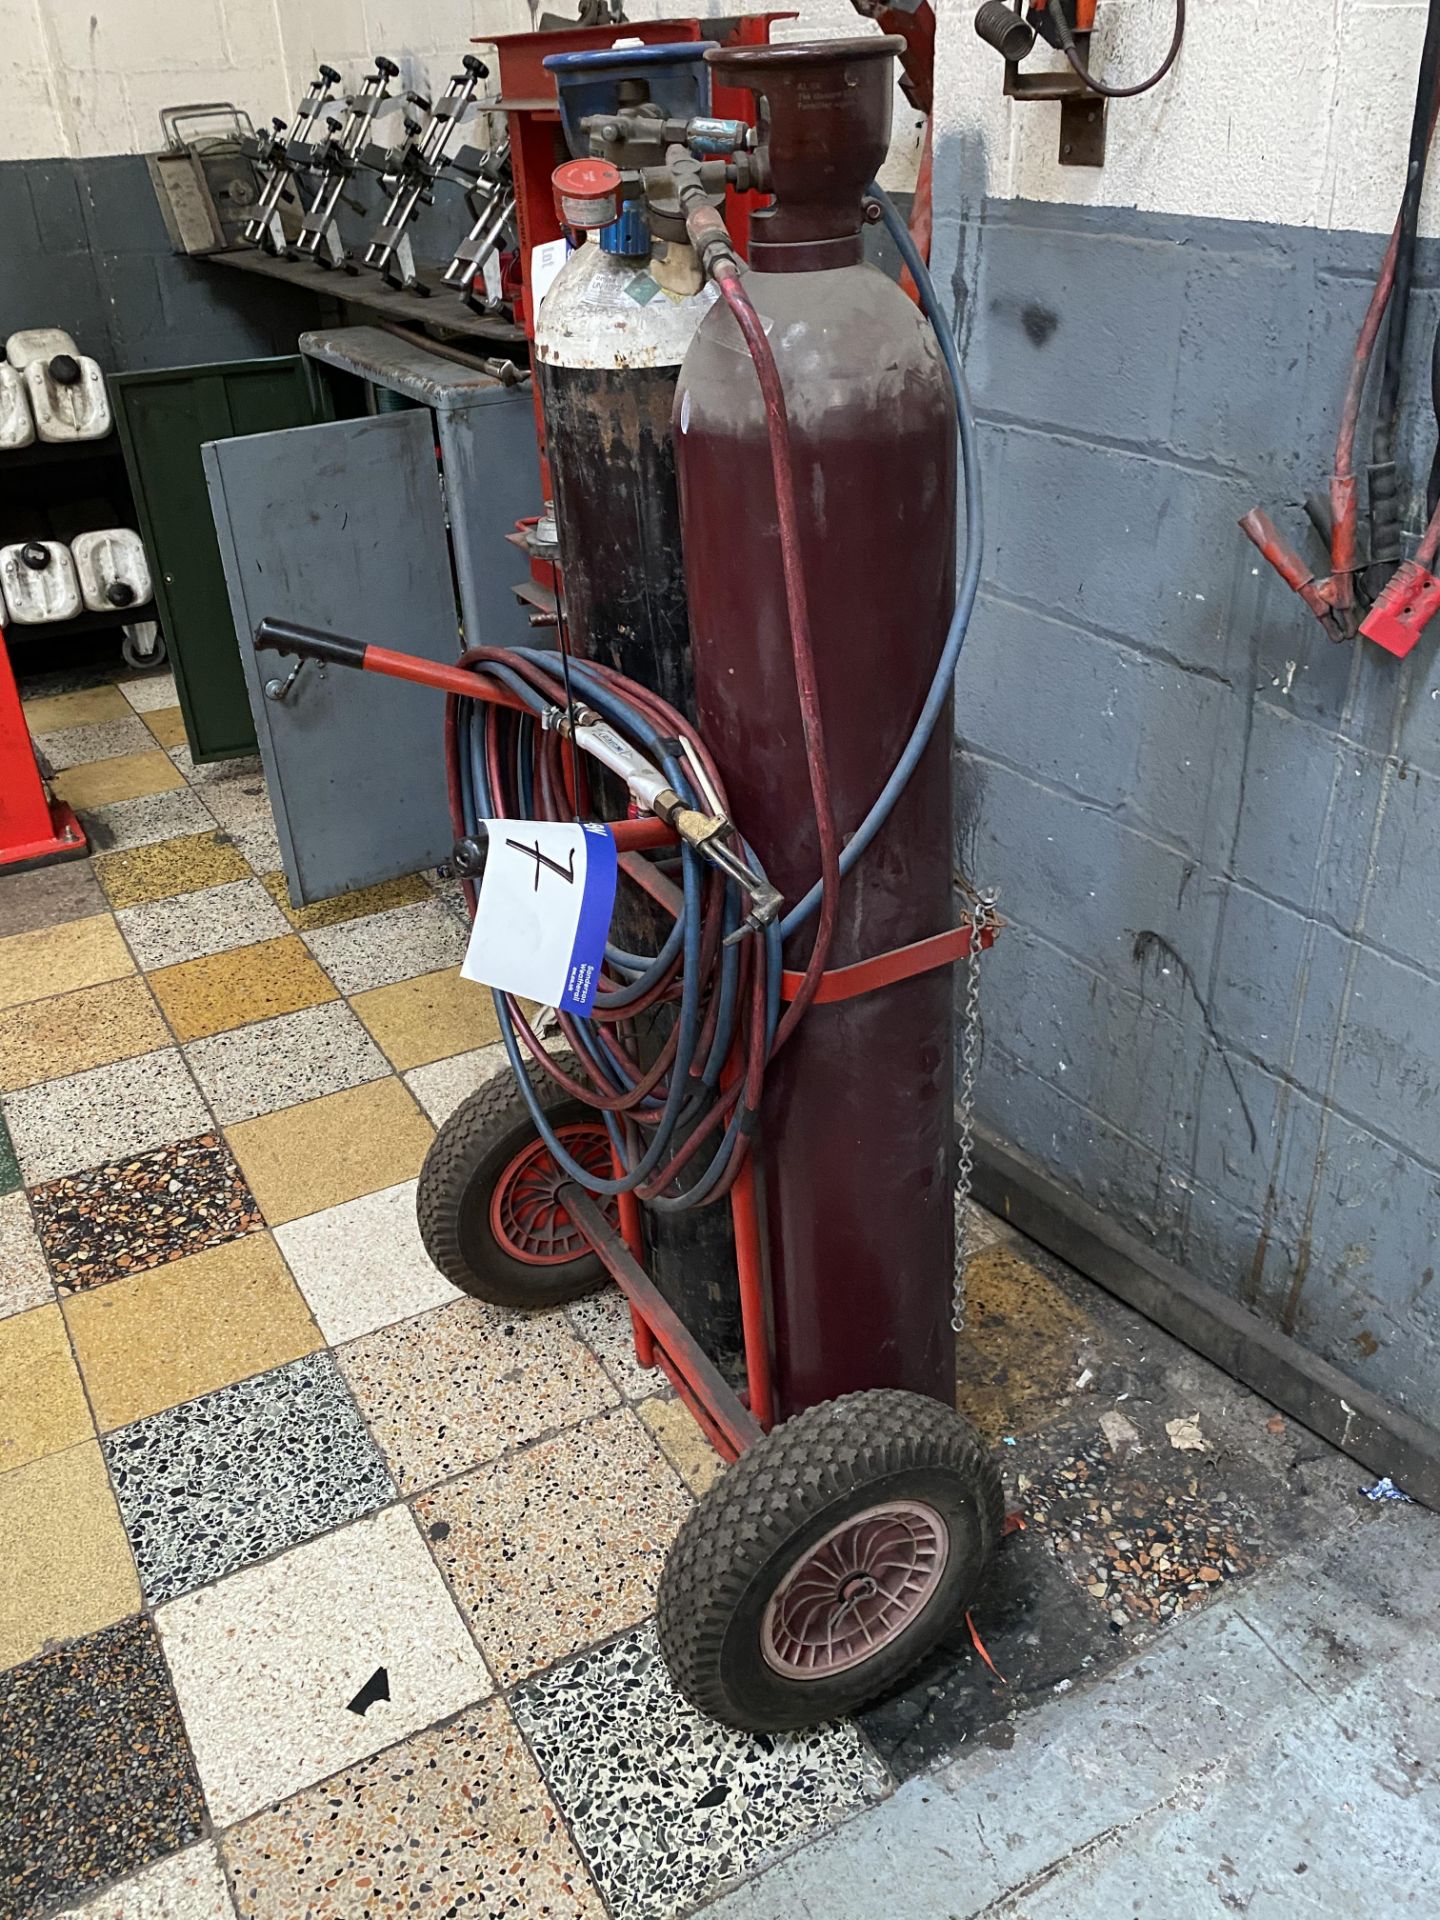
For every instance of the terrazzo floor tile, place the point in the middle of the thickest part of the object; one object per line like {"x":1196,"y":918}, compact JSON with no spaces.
{"x":67,"y":1565}
{"x":417,"y":1021}
{"x":403,"y":892}
{"x":90,"y":707}
{"x":279,"y":1063}
{"x":108,"y":1114}
{"x":9,"y":1165}
{"x":460,"y":1385}
{"x":235,"y":1476}
{"x":158,"y":1338}
{"x":361,"y":1266}
{"x":147,"y":691}
{"x":168,"y":867}
{"x":441,"y":1086}
{"x":129,"y":776}
{"x":386,"y":947}
{"x":667,"y":1806}
{"x":92,"y":1747}
{"x":553,"y":1548}
{"x":239,"y":806}
{"x":602,"y":1319}
{"x":167,"y":724}
{"x":456,"y":1820}
{"x":70,"y":1034}
{"x":24,"y":1277}
{"x":49,"y":896}
{"x":140,"y":823}
{"x":330,"y":1150}
{"x":225,"y":990}
{"x":211,"y":773}
{"x":134,"y":1214}
{"x":42,"y":1407}
{"x":187,"y":1886}
{"x":682,"y":1442}
{"x":267,"y":1662}
{"x":80,"y":953}
{"x":163,"y":933}
{"x":66,"y":747}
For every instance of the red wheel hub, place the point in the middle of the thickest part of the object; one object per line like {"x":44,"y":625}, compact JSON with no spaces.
{"x":527,"y":1217}
{"x":855,"y":1591}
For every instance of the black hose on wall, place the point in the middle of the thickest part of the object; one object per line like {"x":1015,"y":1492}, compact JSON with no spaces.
{"x":1384,"y":483}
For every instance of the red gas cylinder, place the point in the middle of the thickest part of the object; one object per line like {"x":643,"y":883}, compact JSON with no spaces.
{"x":857,"y":1123}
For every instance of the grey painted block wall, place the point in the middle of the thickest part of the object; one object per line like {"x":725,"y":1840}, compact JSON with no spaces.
{"x":83,"y":246}
{"x":1217,"y":836}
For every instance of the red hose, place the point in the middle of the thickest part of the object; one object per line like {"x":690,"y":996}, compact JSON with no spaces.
{"x":802,"y":647}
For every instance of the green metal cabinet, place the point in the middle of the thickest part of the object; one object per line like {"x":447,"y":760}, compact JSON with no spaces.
{"x":164,"y":419}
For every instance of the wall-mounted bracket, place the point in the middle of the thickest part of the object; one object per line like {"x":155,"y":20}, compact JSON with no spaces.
{"x":1082,"y":113}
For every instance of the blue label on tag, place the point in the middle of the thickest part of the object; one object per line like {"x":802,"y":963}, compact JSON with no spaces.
{"x":592,"y":930}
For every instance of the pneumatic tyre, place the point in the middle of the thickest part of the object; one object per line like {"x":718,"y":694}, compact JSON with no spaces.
{"x":487,"y":1203}
{"x":831,"y":1558}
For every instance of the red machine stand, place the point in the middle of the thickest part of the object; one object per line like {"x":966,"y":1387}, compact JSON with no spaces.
{"x":34,"y":828}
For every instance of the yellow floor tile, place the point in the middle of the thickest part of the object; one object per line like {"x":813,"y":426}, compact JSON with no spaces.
{"x":128,"y":777}
{"x":82,"y":953}
{"x":157,"y":1338}
{"x":42,"y":1404}
{"x":67,"y":1562}
{"x":87,"y":709}
{"x":168,"y":867}
{"x":682,"y":1443}
{"x":226,"y":990}
{"x":429,"y":1018}
{"x":330,"y":1150}
{"x":47,"y":1039}
{"x":404,"y":892}
{"x":168,"y":726}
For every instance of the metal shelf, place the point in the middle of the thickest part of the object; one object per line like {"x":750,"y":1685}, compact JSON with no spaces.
{"x":442,"y":308}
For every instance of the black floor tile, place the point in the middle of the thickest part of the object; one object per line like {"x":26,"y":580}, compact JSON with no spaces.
{"x":96,"y":1776}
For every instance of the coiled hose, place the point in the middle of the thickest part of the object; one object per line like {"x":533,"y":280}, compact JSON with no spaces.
{"x":681,"y":1127}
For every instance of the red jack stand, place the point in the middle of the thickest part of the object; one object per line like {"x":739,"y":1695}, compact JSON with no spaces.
{"x":34,"y":829}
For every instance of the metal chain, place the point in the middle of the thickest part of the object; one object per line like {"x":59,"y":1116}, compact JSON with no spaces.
{"x":982,"y":919}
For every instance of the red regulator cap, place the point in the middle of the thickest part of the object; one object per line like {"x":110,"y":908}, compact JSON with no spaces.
{"x":587,"y":193}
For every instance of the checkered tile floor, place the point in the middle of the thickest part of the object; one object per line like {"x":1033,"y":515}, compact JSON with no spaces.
{"x":257,"y":1461}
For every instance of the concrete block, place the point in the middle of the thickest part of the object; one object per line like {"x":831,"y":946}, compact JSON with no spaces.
{"x":1241,"y":369}
{"x":107,"y":39}
{"x":1404,"y":908}
{"x":34,"y":127}
{"x":1114,"y":727}
{"x":122,"y":215}
{"x":1143,"y":549}
{"x":1279,"y":979}
{"x":1056,"y":328}
{"x":1306,"y":804}
{"x":1388,"y":1053}
{"x":1086,"y":881}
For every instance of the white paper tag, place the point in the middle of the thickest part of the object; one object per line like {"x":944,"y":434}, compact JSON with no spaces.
{"x":546,"y":260}
{"x":490,"y":274}
{"x":543,"y":916}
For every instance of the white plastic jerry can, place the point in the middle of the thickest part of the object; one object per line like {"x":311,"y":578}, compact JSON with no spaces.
{"x":69,"y":398}
{"x":37,"y":343}
{"x":37,"y":582}
{"x":17,"y":423}
{"x":112,"y":569}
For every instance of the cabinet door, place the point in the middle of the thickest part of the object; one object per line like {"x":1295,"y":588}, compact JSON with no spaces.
{"x":342,"y":527}
{"x":164,"y":418}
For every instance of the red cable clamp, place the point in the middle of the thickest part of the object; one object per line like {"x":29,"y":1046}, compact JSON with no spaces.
{"x":1408,"y":602}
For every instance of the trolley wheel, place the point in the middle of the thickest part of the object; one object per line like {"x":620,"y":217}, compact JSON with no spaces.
{"x":486,"y":1202}
{"x":133,"y":656}
{"x":831,"y":1558}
